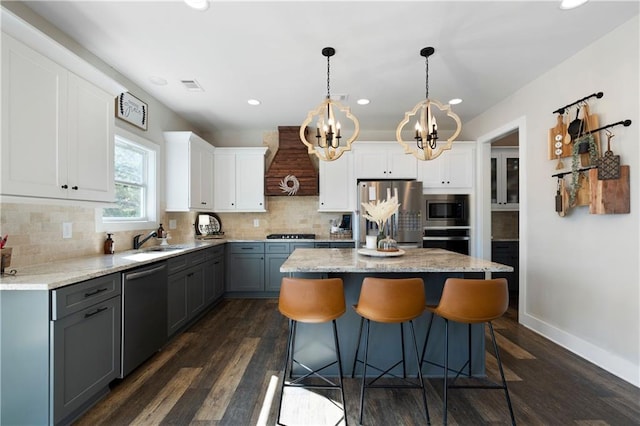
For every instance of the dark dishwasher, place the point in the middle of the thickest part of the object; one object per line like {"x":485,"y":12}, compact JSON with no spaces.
{"x":144,"y":314}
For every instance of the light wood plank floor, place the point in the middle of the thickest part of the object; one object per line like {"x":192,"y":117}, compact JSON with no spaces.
{"x":224,"y":371}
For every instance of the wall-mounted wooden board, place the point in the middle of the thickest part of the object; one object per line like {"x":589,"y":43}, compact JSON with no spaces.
{"x":610,"y":196}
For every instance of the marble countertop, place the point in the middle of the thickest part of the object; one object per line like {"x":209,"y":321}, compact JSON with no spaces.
{"x":413,"y":260}
{"x":49,"y":276}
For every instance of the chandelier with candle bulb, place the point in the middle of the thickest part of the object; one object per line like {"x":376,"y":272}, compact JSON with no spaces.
{"x":328,"y":133}
{"x":426,"y":127}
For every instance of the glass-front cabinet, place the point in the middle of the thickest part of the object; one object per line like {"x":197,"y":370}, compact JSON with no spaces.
{"x":505,"y":182}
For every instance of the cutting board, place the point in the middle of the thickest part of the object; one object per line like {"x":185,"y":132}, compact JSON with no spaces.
{"x":591,"y":122}
{"x":610,"y":196}
{"x":559,"y":129}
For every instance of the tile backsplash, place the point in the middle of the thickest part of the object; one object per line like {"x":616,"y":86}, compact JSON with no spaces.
{"x":504,"y":224}
{"x":35,"y":230}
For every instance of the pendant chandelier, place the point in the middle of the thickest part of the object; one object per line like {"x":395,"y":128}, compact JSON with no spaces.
{"x":328,"y":134}
{"x":425,"y":146}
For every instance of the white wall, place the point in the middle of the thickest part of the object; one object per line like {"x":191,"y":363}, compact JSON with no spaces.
{"x":580,"y":274}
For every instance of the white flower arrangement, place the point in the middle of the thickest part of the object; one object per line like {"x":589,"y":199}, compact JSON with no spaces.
{"x":380,"y":211}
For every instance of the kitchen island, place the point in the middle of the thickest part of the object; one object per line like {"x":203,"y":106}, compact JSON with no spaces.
{"x":433,"y":265}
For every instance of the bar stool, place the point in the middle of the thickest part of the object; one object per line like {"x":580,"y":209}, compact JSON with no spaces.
{"x":470,"y":301}
{"x":387,"y":300}
{"x":311,"y":301}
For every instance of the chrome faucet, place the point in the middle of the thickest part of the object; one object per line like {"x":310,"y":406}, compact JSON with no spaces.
{"x":136,"y":240}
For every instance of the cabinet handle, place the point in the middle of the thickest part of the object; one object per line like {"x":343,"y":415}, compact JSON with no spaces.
{"x":203,"y":203}
{"x":97,"y":311}
{"x":96,"y":291}
{"x":74,"y":187}
{"x":246,"y":248}
{"x":65,"y":186}
{"x":190,"y":274}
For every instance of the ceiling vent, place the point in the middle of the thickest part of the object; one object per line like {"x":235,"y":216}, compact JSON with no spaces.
{"x":291,"y":166}
{"x":192,"y":85}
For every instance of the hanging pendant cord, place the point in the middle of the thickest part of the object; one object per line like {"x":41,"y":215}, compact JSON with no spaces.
{"x":328,"y":69}
{"x":426,"y":84}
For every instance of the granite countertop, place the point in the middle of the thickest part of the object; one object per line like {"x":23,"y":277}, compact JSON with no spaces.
{"x":413,"y":260}
{"x":49,"y":276}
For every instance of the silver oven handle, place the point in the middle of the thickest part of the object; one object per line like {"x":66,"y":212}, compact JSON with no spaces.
{"x":455,"y":238}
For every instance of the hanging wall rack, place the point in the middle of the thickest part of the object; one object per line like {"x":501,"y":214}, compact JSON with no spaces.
{"x":625,"y":123}
{"x":593,"y":95}
{"x":583,"y":169}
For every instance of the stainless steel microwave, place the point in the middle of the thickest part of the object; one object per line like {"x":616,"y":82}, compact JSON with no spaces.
{"x":446,"y":210}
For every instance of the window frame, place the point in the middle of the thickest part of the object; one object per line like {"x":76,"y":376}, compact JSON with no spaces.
{"x":152,"y":207}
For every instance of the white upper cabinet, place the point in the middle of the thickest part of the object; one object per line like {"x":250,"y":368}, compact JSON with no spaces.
{"x":57,"y":130}
{"x":189,"y":172}
{"x":452,"y":171}
{"x":238,"y":183}
{"x":383,"y":160}
{"x":337,"y":185}
{"x":505,"y":184}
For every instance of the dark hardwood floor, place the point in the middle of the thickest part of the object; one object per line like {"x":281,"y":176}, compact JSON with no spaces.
{"x":224,"y":371}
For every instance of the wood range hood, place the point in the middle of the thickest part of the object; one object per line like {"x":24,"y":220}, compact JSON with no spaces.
{"x":291,"y":159}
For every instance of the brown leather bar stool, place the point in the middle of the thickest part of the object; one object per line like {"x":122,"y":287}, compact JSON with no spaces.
{"x":470,"y":301}
{"x":389,"y":300}
{"x":311,"y":301}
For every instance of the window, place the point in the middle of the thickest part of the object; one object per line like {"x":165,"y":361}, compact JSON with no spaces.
{"x":135,"y":164}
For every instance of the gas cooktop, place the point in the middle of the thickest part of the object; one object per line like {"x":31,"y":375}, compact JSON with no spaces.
{"x":291,"y":236}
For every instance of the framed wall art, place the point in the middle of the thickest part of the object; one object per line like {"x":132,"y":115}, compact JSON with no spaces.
{"x":133,"y":110}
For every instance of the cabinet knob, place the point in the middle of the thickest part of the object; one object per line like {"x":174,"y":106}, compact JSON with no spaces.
{"x":74,"y":187}
{"x":65,"y":186}
{"x":203,"y":202}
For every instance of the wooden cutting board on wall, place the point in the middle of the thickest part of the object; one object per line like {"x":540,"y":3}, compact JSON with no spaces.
{"x":611,"y":196}
{"x":559,"y":129}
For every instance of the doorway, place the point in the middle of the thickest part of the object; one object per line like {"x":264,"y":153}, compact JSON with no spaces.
{"x":505,"y":213}
{"x":500,"y":199}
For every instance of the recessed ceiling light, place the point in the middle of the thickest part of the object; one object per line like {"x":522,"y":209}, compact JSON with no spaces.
{"x":455,"y":101}
{"x":363,"y":101}
{"x":198,"y":4}
{"x":571,"y":4}
{"x":253,"y":102}
{"x":159,"y":81}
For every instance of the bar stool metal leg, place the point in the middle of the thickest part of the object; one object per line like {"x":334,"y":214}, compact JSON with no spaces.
{"x":504,"y":381}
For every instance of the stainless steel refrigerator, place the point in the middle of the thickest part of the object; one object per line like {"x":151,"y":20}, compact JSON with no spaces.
{"x":405,"y":226}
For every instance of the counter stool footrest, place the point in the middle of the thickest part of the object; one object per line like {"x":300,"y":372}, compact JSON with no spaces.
{"x":312,"y":373}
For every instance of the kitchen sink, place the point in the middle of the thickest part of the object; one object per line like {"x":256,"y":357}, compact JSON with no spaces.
{"x":162,"y":248}
{"x":150,"y":253}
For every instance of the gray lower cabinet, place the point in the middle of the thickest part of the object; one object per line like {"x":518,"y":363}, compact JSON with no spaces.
{"x":245,"y":267}
{"x":60,"y":349}
{"x":275,"y":255}
{"x":213,"y":269}
{"x":507,"y":253}
{"x":86,"y":356}
{"x":191,"y":286}
{"x":253,"y":269}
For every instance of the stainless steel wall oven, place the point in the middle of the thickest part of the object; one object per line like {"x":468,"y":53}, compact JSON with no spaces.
{"x":446,"y":222}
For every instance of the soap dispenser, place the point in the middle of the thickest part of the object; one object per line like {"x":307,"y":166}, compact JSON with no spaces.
{"x":161,"y":233}
{"x":109,"y":245}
